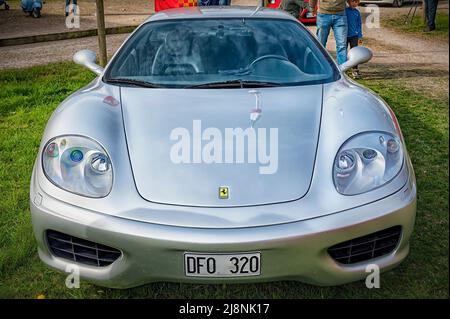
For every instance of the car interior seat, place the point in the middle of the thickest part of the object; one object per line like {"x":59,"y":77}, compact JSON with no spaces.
{"x":178,"y":55}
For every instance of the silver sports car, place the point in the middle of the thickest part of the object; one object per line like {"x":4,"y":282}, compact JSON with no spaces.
{"x":222,"y":145}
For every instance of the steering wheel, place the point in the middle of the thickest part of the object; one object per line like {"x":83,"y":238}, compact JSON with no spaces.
{"x":267,"y":56}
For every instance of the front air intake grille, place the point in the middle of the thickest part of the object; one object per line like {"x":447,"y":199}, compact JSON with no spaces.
{"x":80,"y":250}
{"x":366,"y":247}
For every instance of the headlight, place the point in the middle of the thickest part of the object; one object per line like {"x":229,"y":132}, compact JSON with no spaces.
{"x":367,"y":161}
{"x":79,"y":165}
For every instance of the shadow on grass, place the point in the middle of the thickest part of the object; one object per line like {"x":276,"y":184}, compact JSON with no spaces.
{"x":381,"y":71}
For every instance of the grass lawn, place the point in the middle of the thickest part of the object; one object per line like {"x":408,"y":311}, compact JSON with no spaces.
{"x":28,"y":97}
{"x":417,"y":25}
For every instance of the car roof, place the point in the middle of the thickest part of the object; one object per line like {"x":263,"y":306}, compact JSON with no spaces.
{"x":207,"y":12}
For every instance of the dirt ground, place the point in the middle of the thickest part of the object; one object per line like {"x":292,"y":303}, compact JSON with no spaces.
{"x":16,"y":23}
{"x":421,"y":62}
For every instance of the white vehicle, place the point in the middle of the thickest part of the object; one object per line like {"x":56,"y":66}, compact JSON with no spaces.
{"x":394,"y":3}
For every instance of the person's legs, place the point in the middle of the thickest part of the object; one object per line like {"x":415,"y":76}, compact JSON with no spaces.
{"x":353,"y":42}
{"x":74,"y":6}
{"x":340,"y":35}
{"x":323,"y":27}
{"x":431,"y":13}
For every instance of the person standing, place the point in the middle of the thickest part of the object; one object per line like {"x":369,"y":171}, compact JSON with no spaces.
{"x":331,"y":14}
{"x":431,"y":7}
{"x":295,"y":7}
{"x":354,"y":30}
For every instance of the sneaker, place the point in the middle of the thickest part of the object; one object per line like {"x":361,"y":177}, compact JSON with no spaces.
{"x":428,"y":28}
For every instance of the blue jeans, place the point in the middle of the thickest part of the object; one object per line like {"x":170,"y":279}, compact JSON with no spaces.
{"x":431,"y":12}
{"x":74,"y":2}
{"x":339,"y":24}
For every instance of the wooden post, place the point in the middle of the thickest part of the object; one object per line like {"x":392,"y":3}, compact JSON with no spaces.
{"x":101,"y":32}
{"x":424,"y":12}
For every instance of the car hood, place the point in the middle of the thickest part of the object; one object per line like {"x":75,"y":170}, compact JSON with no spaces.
{"x":188,"y":145}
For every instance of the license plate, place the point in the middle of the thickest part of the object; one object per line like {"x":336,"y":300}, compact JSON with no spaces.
{"x":222,"y":265}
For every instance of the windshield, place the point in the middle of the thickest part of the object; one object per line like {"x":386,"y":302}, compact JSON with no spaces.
{"x":195,"y":53}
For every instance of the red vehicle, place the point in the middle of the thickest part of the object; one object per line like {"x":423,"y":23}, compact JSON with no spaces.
{"x":298,"y":8}
{"x":169,"y":4}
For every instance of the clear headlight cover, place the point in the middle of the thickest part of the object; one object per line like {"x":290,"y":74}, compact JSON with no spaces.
{"x":79,"y":165}
{"x":367,"y":161}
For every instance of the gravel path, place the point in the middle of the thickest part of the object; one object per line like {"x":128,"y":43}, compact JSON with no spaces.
{"x":15,"y":23}
{"x":20,"y":56}
{"x":422,"y":63}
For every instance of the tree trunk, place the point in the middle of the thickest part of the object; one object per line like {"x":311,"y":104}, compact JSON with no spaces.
{"x":101,"y":32}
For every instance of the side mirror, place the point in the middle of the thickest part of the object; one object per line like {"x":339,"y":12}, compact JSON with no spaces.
{"x":88,"y":58}
{"x":356,"y":55}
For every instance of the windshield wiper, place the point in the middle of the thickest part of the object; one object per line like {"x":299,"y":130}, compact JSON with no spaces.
{"x":234,"y":83}
{"x":133,"y":82}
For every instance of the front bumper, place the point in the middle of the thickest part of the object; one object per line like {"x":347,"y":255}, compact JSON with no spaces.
{"x":291,"y":251}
